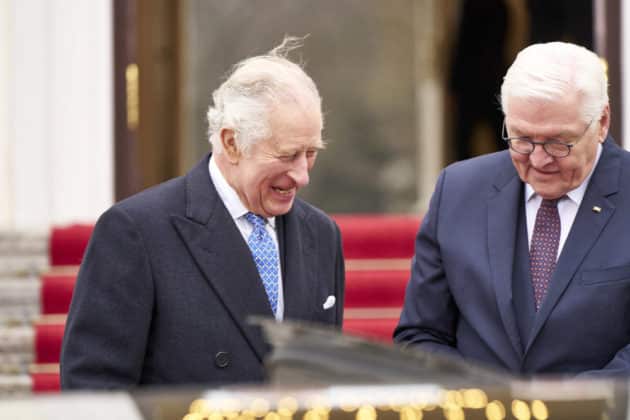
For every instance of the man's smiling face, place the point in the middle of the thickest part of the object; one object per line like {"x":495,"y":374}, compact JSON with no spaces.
{"x":269,"y":174}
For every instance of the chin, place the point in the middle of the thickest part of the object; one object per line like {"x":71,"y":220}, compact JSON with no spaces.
{"x":280,"y":209}
{"x":551,"y":195}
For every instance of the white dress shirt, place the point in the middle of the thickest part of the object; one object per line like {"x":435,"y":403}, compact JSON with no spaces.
{"x":238,"y":211}
{"x":567,"y":206}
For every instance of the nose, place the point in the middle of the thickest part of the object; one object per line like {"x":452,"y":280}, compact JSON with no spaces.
{"x":539,"y":158}
{"x":299,"y":171}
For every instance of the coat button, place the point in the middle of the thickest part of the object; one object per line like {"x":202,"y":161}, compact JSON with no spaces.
{"x":222,"y":359}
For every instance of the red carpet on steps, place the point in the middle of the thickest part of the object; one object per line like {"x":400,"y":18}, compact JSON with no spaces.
{"x":377,"y":236}
{"x":56,"y":292}
{"x":378,"y":288}
{"x":48,"y":342}
{"x":67,"y":244}
{"x":377,"y":249}
{"x":364,"y":289}
{"x":364,"y":236}
{"x":45,"y":382}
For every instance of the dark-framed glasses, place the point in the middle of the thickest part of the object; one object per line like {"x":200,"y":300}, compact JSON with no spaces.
{"x":556,"y":148}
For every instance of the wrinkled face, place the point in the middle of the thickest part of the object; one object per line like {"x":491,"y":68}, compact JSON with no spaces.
{"x":549,"y":176}
{"x":268,"y":176}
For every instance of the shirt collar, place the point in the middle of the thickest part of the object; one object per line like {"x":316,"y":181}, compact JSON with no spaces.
{"x":576,"y":195}
{"x":228,"y":195}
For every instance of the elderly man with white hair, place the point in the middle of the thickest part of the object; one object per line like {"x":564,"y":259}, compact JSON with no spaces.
{"x":171,"y":274}
{"x":523,"y":259}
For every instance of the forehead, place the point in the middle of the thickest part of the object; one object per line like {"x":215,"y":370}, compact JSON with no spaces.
{"x":539,"y":115}
{"x":297,"y":126}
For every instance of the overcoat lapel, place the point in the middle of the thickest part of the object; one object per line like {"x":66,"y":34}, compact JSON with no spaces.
{"x":297,"y":244}
{"x":586,"y":229}
{"x":503,"y":213}
{"x":222,"y":255}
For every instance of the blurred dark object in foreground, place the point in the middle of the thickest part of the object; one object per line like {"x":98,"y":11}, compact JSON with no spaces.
{"x":319,"y":374}
{"x":316,"y":355}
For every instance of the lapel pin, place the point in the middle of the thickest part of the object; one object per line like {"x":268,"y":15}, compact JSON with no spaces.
{"x":597,"y":209}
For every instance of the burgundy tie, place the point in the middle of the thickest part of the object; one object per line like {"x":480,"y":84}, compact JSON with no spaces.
{"x":544,"y":248}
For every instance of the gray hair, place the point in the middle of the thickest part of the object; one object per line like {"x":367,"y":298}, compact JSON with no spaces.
{"x":244,"y":101}
{"x":551,"y":70}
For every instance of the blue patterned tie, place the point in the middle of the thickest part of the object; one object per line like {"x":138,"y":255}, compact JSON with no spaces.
{"x":265,"y":256}
{"x":544,"y":248}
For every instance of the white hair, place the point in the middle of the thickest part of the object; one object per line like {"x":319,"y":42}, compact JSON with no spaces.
{"x":244,"y":101}
{"x":552,"y":70}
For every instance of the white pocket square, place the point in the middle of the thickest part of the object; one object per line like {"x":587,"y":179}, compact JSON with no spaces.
{"x":330,"y":302}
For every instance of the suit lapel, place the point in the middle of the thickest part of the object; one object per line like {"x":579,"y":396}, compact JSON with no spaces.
{"x":297,"y":240}
{"x":503,"y":213}
{"x":586,"y":229}
{"x":222,"y":255}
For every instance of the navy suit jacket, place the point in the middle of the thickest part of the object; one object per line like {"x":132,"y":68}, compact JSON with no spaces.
{"x":460,"y":299}
{"x":168,"y":281}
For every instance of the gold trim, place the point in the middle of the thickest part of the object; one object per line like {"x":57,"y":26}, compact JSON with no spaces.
{"x":51,"y":319}
{"x":403,"y":264}
{"x":43,"y":368}
{"x":61,"y":270}
{"x":371,"y":313}
{"x":132,"y":80}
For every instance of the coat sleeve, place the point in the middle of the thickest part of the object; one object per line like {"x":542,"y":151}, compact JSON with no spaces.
{"x":619,"y":366}
{"x":110,"y":315}
{"x":429,"y":316}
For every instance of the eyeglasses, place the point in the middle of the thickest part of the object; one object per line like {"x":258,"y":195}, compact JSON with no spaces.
{"x":525,"y":145}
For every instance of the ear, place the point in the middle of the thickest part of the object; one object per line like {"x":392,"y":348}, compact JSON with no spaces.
{"x":230,"y":145}
{"x":604,"y":124}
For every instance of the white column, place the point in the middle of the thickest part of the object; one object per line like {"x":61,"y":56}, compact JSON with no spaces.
{"x":60,"y":128}
{"x":29,"y":103}
{"x":81,"y":110}
{"x":6,"y":196}
{"x":429,"y":96}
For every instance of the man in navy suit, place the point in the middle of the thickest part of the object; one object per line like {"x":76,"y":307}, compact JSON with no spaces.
{"x":523,"y":259}
{"x":170,"y":276}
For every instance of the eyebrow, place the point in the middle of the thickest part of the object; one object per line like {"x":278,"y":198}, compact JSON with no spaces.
{"x":557,"y":136}
{"x":290,"y":150}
